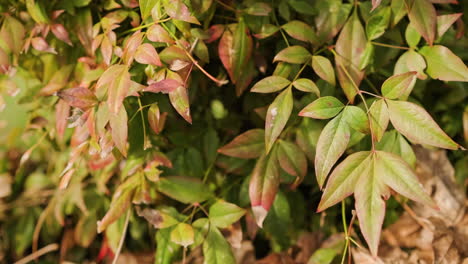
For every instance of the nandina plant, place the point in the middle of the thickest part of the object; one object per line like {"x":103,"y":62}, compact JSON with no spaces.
{"x":171,"y":125}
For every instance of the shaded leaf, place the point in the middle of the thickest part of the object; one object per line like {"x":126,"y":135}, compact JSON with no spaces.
{"x":146,"y":54}
{"x":323,"y":108}
{"x":293,"y":54}
{"x":444,"y":22}
{"x":306,"y":85}
{"x":158,"y":218}
{"x":223,"y":214}
{"x":216,"y":249}
{"x":417,"y":125}
{"x":331,"y":19}
{"x":183,"y":234}
{"x":180,"y":101}
{"x":395,"y":143}
{"x":443,"y":64}
{"x":165,"y":86}
{"x":356,"y":118}
{"x":184,"y":189}
{"x":324,"y":69}
{"x":277,"y":116}
{"x":156,"y":120}
{"x":61,"y":33}
{"x":248,"y":145}
{"x":270,"y":84}
{"x":166,"y":250}
{"x":258,"y":9}
{"x":300,"y":31}
{"x":292,"y":160}
{"x":178,"y":10}
{"x":422,"y":15}
{"x":378,"y":22}
{"x":397,"y":85}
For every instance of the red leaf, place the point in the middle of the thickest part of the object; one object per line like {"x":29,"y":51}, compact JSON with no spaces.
{"x":215,"y":32}
{"x":146,"y":54}
{"x":178,"y":10}
{"x":131,"y":47}
{"x":79,"y":97}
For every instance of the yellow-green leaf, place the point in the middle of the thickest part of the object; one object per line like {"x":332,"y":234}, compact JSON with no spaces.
{"x":270,"y":84}
{"x":323,"y":108}
{"x":277,"y":117}
{"x":183,"y":234}
{"x":422,"y":15}
{"x":324,"y":69}
{"x":293,"y":54}
{"x":379,"y":119}
{"x":443,"y":64}
{"x":397,"y":85}
{"x":223,"y":214}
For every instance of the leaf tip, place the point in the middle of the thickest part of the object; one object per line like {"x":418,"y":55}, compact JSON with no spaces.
{"x":260,"y":214}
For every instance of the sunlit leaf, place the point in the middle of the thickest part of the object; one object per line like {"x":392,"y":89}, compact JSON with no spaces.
{"x":397,"y":85}
{"x":178,"y":10}
{"x":444,"y":22}
{"x":180,"y":101}
{"x":378,"y":22}
{"x":184,"y":189}
{"x":379,"y":119}
{"x":324,"y":69}
{"x":118,"y":124}
{"x":145,"y":8}
{"x":293,"y":54}
{"x":332,"y":17}
{"x":248,"y":145}
{"x":156,"y":33}
{"x":395,"y":143}
{"x":270,"y":84}
{"x":146,"y":54}
{"x":422,"y":15}
{"x":182,"y":234}
{"x":356,"y":118}
{"x":223,"y":214}
{"x":277,"y":116}
{"x":412,"y":36}
{"x":306,"y":85}
{"x":417,"y":125}
{"x":323,"y":108}
{"x":301,"y":31}
{"x":443,"y":64}
{"x":411,"y":61}
{"x":79,"y":97}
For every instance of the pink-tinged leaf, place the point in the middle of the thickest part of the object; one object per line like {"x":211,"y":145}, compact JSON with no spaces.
{"x":417,"y":125}
{"x":398,"y":175}
{"x":173,"y":53}
{"x":62,"y":111}
{"x":324,"y":69}
{"x":96,"y":42}
{"x":108,"y":76}
{"x":131,"y":46}
{"x":226,"y":51}
{"x":323,"y":108}
{"x":343,"y":179}
{"x":293,"y":54}
{"x":263,"y":186}
{"x":292,"y":160}
{"x":118,"y":88}
{"x":422,"y":15}
{"x":178,"y":65}
{"x":301,"y":31}
{"x":270,"y":84}
{"x":58,"y":81}
{"x":397,"y":85}
{"x":91,"y":123}
{"x":40,"y":44}
{"x":306,"y":85}
{"x":411,"y":61}
{"x":370,"y":207}
{"x":356,"y":118}
{"x":443,"y":64}
{"x":277,"y":116}
{"x":444,"y":22}
{"x":157,"y":33}
{"x":379,"y":119}
{"x":248,"y":145}
{"x":102,"y":118}
{"x":215,"y":32}
{"x":266,"y":31}
{"x":350,"y":47}
{"x":106,"y":50}
{"x":156,"y":120}
{"x":242,"y":47}
{"x":183,"y":234}
{"x":12,"y":33}
{"x":331,"y":19}
{"x":375,"y":4}
{"x":118,"y":124}
{"x":79,"y":97}
{"x":180,"y":101}
{"x":331,"y":144}
{"x":146,"y":54}
{"x":61,"y":33}
{"x":178,"y":10}
{"x":145,"y":7}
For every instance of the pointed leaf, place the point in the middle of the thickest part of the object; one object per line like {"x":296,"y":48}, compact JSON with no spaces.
{"x":444,"y":22}
{"x":183,"y":234}
{"x":270,"y":84}
{"x":417,"y":125}
{"x":292,"y":160}
{"x":293,"y":54}
{"x":178,"y":10}
{"x":350,"y":47}
{"x":300,"y":31}
{"x":258,"y":9}
{"x":411,"y":61}
{"x":156,"y":120}
{"x":356,"y":118}
{"x":397,"y":85}
{"x":166,"y":250}
{"x":343,"y":179}
{"x":422,"y":15}
{"x":242,"y":50}
{"x":306,"y":85}
{"x":399,"y":176}
{"x":158,"y":218}
{"x":444,"y":65}
{"x":323,"y":108}
{"x":216,"y":249}
{"x":223,"y":214}
{"x":379,"y":119}
{"x":79,"y":97}
{"x":330,"y":146}
{"x":378,"y":22}
{"x":157,"y":33}
{"x":395,"y":143}
{"x":375,"y":4}
{"x":263,"y":185}
{"x":248,"y":145}
{"x":146,"y":54}
{"x":324,"y":69}
{"x":61,"y":33}
{"x":277,"y":116}
{"x":145,"y":8}
{"x":412,"y":36}
{"x":165,"y":86}
{"x":118,"y":88}
{"x":118,"y":124}
{"x":180,"y":101}
{"x":184,"y":189}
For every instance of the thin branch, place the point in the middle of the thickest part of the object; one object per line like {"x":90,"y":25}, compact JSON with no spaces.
{"x":122,"y":238}
{"x":389,"y":45}
{"x":37,"y":254}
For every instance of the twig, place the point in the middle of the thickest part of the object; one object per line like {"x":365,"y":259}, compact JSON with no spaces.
{"x":37,"y":254}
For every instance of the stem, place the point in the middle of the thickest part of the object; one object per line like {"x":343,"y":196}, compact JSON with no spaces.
{"x":143,"y":123}
{"x":40,"y":252}
{"x":375,"y":95}
{"x":122,"y":238}
{"x":281,"y":29}
{"x":147,"y":25}
{"x":389,"y":45}
{"x":345,"y":250}
{"x":228,"y":7}
{"x":343,"y":218}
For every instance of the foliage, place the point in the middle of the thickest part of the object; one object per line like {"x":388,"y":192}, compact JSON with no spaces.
{"x":194,"y":115}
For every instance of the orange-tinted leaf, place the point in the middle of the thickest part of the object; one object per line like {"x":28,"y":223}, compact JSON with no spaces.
{"x":118,"y":88}
{"x":277,"y":116}
{"x":119,"y":126}
{"x":323,"y":108}
{"x":156,"y":33}
{"x":131,"y":46}
{"x":183,"y":234}
{"x":178,"y":10}
{"x":422,"y":15}
{"x":444,"y":22}
{"x":62,"y":111}
{"x":106,"y":49}
{"x":248,"y":145}
{"x":444,"y":65}
{"x":146,"y":54}
{"x":293,"y":54}
{"x":301,"y":31}
{"x":78,"y":97}
{"x":350,"y":47}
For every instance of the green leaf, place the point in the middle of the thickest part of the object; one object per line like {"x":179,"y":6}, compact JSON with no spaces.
{"x":270,"y":84}
{"x":411,"y":61}
{"x":293,"y":54}
{"x":412,"y":36}
{"x":184,"y":189}
{"x":379,"y":119}
{"x":216,"y":249}
{"x":399,"y":10}
{"x":263,"y":186}
{"x":180,"y":101}
{"x":292,"y":160}
{"x":422,"y":15}
{"x":37,"y":12}
{"x":417,"y":125}
{"x":323,"y":256}
{"x":350,"y":47}
{"x":278,"y":223}
{"x":242,"y":48}
{"x":330,"y":146}
{"x":324,"y":69}
{"x":277,"y":117}
{"x":395,"y":143}
{"x":179,"y":11}
{"x":118,"y":88}
{"x":158,"y":218}
{"x":223,"y":214}
{"x":145,"y":8}
{"x":378,"y":23}
{"x":249,"y":145}
{"x":443,"y":64}
{"x":343,"y":179}
{"x":356,"y":118}
{"x":397,"y":85}
{"x":332,"y":17}
{"x":258,"y":9}
{"x":119,"y":126}
{"x":367,"y":56}
{"x":300,"y":31}
{"x":399,"y":176}
{"x":323,"y":108}
{"x":370,"y":207}
{"x":444,"y":22}
{"x":166,"y":250}
{"x":307,"y":86}
{"x":182,"y":234}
